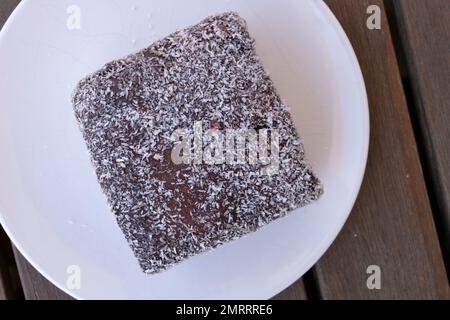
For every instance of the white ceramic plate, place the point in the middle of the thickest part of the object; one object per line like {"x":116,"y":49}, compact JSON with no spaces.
{"x":50,"y":202}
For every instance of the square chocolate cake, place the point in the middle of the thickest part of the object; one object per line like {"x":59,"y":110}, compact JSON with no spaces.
{"x":191,"y":143}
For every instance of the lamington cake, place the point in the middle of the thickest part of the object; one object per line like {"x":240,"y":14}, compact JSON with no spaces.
{"x":197,"y":85}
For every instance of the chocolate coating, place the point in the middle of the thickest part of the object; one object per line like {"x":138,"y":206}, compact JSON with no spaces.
{"x":127,"y":112}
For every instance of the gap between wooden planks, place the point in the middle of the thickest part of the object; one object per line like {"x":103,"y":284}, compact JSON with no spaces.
{"x":424,"y":34}
{"x":391,"y":225}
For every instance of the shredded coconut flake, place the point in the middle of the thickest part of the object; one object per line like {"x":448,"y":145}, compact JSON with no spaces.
{"x":127,"y":112}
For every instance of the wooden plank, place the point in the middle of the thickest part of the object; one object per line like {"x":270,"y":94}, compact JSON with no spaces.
{"x":6,"y":7}
{"x":296,"y":291}
{"x":391,"y":225}
{"x":424,"y":30}
{"x":10,"y":287}
{"x":35,"y":286}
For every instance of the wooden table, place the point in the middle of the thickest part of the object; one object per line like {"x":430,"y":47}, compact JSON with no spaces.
{"x":401,"y":220}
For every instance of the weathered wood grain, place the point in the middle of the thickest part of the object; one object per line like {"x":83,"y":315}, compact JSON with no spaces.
{"x":424,"y":31}
{"x":296,"y":291}
{"x":391,"y":225}
{"x":10,"y":287}
{"x":6,"y":7}
{"x":35,"y":286}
